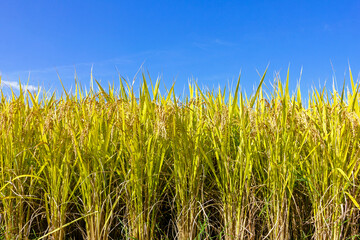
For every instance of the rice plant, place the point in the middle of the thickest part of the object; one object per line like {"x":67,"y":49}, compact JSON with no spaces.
{"x":141,"y":164}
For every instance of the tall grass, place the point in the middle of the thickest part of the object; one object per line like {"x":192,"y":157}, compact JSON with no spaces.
{"x":139,"y":164}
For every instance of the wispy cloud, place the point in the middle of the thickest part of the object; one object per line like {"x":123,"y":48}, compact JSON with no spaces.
{"x":16,"y":86}
{"x":215,"y":42}
{"x":104,"y":69}
{"x":203,"y":46}
{"x":223,"y":43}
{"x":70,"y":69}
{"x":327,"y":28}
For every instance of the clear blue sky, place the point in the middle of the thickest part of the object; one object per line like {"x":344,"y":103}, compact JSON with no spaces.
{"x":206,"y":40}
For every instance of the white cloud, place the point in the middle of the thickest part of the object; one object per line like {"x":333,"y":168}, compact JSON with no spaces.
{"x":15,"y":85}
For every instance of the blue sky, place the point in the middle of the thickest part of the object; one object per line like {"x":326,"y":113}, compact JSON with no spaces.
{"x":210,"y":41}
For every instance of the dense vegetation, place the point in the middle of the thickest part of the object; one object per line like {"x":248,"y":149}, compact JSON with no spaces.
{"x":118,"y":165}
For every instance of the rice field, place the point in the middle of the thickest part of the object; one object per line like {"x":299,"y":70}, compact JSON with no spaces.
{"x":138,"y":164}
